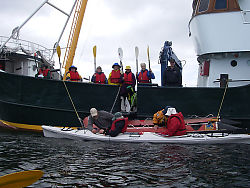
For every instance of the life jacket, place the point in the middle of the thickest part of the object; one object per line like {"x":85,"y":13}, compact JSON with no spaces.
{"x":125,"y":126}
{"x":128,"y":79}
{"x":115,"y":76}
{"x":100,"y":78}
{"x":143,"y":77}
{"x":74,"y":76}
{"x":160,"y":118}
{"x":172,"y":130}
{"x":43,"y":72}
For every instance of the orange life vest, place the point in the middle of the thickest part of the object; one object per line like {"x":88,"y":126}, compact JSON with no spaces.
{"x":74,"y":76}
{"x":43,"y":72}
{"x":115,"y":76}
{"x":100,"y":78}
{"x":125,"y":126}
{"x":128,"y":78}
{"x":143,"y":77}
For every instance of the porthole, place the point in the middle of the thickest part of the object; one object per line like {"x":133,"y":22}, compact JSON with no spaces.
{"x":234,"y":63}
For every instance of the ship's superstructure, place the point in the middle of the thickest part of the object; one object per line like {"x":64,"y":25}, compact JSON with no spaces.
{"x":220,"y":31}
{"x":24,"y":57}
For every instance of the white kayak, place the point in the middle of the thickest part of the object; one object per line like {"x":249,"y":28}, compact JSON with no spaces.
{"x":147,"y":137}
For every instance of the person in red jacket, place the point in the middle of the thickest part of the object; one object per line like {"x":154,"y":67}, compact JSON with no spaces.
{"x":73,"y":75}
{"x":175,"y":123}
{"x":99,"y":77}
{"x":145,"y":76}
{"x":115,"y":77}
{"x":126,"y":91}
{"x":44,"y":72}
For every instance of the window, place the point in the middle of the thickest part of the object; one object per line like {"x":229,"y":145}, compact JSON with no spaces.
{"x":221,"y":4}
{"x":234,"y":63}
{"x":203,"y":5}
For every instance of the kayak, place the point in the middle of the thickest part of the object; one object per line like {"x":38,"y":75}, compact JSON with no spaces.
{"x":145,"y":137}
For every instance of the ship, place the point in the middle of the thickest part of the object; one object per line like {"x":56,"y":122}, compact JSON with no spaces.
{"x":223,"y":89}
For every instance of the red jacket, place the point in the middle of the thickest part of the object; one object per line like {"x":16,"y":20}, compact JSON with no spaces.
{"x":113,"y":126}
{"x":74,"y":76}
{"x":143,"y":77}
{"x":128,"y":79}
{"x":100,"y":78}
{"x":175,"y":125}
{"x":115,"y":76}
{"x":44,"y":72}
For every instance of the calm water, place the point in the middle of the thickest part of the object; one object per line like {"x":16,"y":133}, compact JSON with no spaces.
{"x":68,"y":163}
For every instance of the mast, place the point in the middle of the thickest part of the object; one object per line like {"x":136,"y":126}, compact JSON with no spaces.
{"x":74,"y":34}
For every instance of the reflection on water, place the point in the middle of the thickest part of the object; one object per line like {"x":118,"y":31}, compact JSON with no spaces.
{"x":68,"y":163}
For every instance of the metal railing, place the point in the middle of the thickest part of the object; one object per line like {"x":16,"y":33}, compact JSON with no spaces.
{"x":28,"y":46}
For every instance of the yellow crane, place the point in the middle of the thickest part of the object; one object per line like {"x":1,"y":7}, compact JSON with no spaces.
{"x":74,"y":35}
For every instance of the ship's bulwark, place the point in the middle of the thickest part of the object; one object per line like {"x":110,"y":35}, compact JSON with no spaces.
{"x":198,"y":101}
{"x":27,"y":100}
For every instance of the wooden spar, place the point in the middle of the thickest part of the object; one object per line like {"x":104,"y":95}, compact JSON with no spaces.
{"x":75,"y":36}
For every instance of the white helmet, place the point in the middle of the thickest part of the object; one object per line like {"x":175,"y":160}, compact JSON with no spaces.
{"x":171,"y":111}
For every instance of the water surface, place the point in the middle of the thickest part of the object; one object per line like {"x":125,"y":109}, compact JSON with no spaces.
{"x":69,"y":163}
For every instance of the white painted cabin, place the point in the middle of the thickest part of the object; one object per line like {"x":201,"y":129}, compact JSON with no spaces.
{"x":220,"y":30}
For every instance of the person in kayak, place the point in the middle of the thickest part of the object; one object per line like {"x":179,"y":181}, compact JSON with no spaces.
{"x":115,"y":77}
{"x":99,"y":121}
{"x":73,"y":75}
{"x":119,"y":125}
{"x":145,"y":75}
{"x":172,"y":75}
{"x":160,"y":119}
{"x":99,"y":77}
{"x":44,"y":72}
{"x":175,"y":123}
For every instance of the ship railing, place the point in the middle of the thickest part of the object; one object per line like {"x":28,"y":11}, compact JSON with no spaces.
{"x":246,"y":16}
{"x":27,"y":46}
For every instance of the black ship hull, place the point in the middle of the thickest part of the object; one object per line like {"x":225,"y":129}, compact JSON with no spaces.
{"x":27,"y":101}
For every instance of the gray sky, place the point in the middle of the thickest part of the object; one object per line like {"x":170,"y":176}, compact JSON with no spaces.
{"x":110,"y":24}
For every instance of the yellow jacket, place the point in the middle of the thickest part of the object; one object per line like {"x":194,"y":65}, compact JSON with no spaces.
{"x":160,"y":118}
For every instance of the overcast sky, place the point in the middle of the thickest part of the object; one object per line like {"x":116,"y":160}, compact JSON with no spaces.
{"x":110,"y":24}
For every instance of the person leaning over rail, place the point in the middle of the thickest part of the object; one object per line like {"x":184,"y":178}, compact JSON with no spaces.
{"x":43,"y":72}
{"x":115,"y":77}
{"x":73,"y":75}
{"x":175,"y":123}
{"x":119,"y":125}
{"x":145,"y":75}
{"x":99,"y":121}
{"x":99,"y":77}
{"x":160,"y":119}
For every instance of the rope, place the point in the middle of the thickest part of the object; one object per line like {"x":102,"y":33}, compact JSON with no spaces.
{"x":115,"y":99}
{"x":80,"y":120}
{"x":222,"y":100}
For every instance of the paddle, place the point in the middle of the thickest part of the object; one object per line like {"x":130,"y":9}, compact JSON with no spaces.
{"x":148,"y":59}
{"x":20,"y":179}
{"x":58,"y":50}
{"x":120,"y":53}
{"x":136,"y":57}
{"x":94,"y":53}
